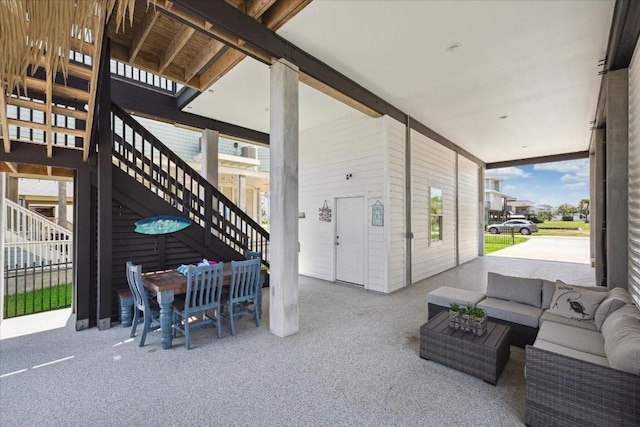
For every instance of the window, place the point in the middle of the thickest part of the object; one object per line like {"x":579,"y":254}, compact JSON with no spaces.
{"x":435,"y":204}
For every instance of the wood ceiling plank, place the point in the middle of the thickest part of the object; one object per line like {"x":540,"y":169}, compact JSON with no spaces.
{"x":149,"y":19}
{"x":12,"y":167}
{"x":4,"y":124}
{"x":199,"y":61}
{"x":58,"y":90}
{"x":255,"y":8}
{"x":226,"y":62}
{"x":281,"y":12}
{"x":174,"y":47}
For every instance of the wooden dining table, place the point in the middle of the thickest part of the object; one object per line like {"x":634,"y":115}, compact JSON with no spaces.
{"x":166,"y":284}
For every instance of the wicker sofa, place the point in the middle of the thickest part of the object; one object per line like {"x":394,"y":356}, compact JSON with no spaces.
{"x":587,"y":372}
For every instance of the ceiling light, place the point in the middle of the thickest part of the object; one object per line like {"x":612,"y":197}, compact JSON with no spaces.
{"x":453,"y":47}
{"x":524,"y":146}
{"x":189,"y":107}
{"x":503,"y":117}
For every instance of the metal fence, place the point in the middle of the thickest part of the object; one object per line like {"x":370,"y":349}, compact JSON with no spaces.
{"x":36,"y":288}
{"x":505,"y":238}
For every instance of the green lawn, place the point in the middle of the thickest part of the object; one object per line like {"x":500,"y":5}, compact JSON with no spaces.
{"x":494,"y":243}
{"x":38,"y":300}
{"x":582,"y":231}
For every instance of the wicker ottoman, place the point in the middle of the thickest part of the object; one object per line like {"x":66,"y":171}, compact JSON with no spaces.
{"x":484,"y":357}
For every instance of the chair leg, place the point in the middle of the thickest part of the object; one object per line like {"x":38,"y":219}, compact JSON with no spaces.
{"x":187,"y":337}
{"x":231,"y":322}
{"x":147,"y":324}
{"x":257,"y":312}
{"x":134,"y":324}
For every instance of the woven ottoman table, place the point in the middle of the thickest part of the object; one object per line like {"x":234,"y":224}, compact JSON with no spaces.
{"x":439,"y":299}
{"x":481,"y":356}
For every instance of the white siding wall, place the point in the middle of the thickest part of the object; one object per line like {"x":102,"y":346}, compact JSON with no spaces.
{"x":468,"y":221}
{"x":432,"y":165}
{"x":394,"y":226}
{"x":183,"y":142}
{"x":327,"y":154}
{"x":634,"y":175}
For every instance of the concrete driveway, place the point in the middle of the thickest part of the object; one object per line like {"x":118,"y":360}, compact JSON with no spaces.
{"x":550,"y":248}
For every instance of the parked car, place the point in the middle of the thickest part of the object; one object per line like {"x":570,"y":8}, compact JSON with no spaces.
{"x":521,"y":226}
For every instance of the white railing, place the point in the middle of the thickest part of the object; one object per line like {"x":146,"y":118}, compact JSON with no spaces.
{"x":31,"y":238}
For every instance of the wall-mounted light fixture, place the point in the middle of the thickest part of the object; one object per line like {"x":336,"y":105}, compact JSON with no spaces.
{"x":349,"y":176}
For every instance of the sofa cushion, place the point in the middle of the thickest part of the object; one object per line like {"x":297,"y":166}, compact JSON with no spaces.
{"x":579,"y":339}
{"x":611,"y":324}
{"x":622,"y":346}
{"x":510,"y":311}
{"x":570,"y":352}
{"x":547,"y":315}
{"x":575,"y":302}
{"x":445,"y":295}
{"x":617,"y":298}
{"x":516,"y":289}
{"x":548,"y":288}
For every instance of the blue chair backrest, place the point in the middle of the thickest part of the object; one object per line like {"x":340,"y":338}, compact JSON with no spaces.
{"x":204,"y":287}
{"x":245,"y":279}
{"x":252,"y":255}
{"x":134,"y":278}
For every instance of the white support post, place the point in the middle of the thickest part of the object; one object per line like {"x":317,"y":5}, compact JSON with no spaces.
{"x":283,"y":300}
{"x":209,"y":158}
{"x":3,"y":216}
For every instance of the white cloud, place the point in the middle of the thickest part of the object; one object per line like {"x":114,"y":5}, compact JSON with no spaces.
{"x":575,"y":185}
{"x":507,"y":173}
{"x":509,"y":187}
{"x":580,"y":167}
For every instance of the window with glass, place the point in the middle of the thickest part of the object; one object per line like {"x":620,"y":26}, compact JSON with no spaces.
{"x":435,"y":203}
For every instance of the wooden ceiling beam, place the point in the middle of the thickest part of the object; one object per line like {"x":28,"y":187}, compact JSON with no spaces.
{"x":83,"y":47}
{"x":4,"y":124}
{"x":58,"y":90}
{"x":174,"y":47}
{"x":13,"y":168}
{"x":256,"y":8}
{"x":39,"y":106}
{"x":149,"y":19}
{"x":281,"y":12}
{"x":45,"y":127}
{"x":222,"y":66}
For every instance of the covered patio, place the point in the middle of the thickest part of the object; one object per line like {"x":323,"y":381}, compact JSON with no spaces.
{"x":356,"y":362}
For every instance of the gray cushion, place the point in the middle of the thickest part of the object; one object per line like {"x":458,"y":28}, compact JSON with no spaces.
{"x":617,"y":298}
{"x":575,"y":302}
{"x":547,"y":315}
{"x":623,"y":345}
{"x":445,"y":295}
{"x":548,"y":288}
{"x":509,"y":311}
{"x":576,"y":338}
{"x":516,"y":289}
{"x":611,"y":324}
{"x":570,"y":352}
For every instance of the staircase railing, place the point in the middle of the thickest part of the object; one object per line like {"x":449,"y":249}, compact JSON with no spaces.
{"x":143,"y":157}
{"x":31,"y":238}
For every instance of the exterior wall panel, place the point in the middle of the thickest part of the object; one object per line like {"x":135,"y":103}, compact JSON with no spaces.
{"x":634,"y":176}
{"x":468,"y":220}
{"x":432,"y":165}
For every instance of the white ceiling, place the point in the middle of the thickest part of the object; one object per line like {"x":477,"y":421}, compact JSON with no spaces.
{"x":533,"y":61}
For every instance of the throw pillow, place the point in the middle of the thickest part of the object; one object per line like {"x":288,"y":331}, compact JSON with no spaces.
{"x":617,"y":298}
{"x":575,"y":302}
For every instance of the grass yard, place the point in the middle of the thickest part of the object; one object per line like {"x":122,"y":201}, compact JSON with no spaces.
{"x":583,"y":230}
{"x":494,"y":242}
{"x":38,"y":300}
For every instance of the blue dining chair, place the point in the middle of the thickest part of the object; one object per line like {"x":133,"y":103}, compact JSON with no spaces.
{"x":257,"y":255}
{"x":204,"y":289}
{"x":243,"y":291}
{"x":142,"y":304}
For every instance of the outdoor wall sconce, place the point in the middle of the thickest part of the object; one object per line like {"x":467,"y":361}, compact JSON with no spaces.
{"x":349,"y":176}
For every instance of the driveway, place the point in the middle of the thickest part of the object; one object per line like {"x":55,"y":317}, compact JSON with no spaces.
{"x":550,"y":248}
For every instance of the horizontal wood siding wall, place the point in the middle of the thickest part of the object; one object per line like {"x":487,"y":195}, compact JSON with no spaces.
{"x":432,"y":165}
{"x":327,"y":154}
{"x":395,"y":204}
{"x":468,"y":221}
{"x":634,"y":176}
{"x":183,"y":142}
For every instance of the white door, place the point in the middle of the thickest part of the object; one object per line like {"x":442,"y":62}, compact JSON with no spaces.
{"x":350,"y":221}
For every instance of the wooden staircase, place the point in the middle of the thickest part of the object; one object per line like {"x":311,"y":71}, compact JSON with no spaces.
{"x":53,"y":108}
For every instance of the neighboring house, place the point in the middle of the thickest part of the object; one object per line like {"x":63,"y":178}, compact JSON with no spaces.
{"x":521,"y":207}
{"x":543,"y":208}
{"x":495,"y":201}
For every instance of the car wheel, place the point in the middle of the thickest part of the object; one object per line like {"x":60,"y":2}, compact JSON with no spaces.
{"x":525,"y":231}
{"x":493,"y":230}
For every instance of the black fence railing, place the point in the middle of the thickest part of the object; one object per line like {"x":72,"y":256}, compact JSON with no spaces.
{"x":30,"y":289}
{"x":143,"y":157}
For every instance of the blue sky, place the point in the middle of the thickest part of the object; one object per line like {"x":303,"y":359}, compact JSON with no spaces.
{"x":546,"y":183}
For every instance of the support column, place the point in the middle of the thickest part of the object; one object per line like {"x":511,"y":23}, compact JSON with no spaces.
{"x":617,"y":176}
{"x":242,"y":193}
{"x":12,"y":188}
{"x":3,"y":211}
{"x":209,"y":157}
{"x":62,"y":204}
{"x":82,"y":242}
{"x":283,"y":300}
{"x":597,"y":206}
{"x":481,"y":211}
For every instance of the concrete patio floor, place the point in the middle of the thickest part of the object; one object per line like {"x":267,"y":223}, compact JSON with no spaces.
{"x":354,"y":362}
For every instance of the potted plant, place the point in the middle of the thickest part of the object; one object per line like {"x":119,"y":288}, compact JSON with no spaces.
{"x":469,"y":318}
